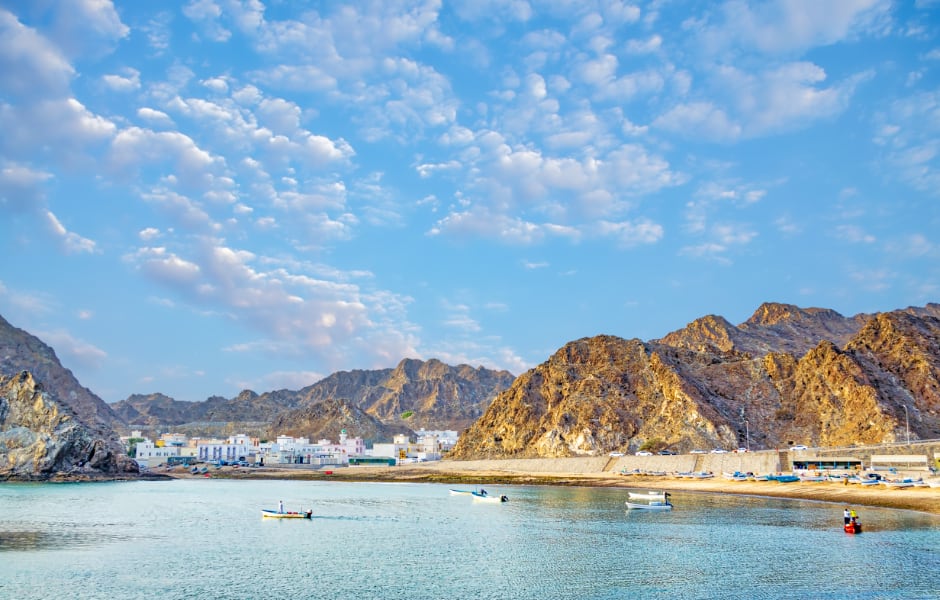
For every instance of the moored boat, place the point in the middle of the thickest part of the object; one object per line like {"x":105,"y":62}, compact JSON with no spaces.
{"x":273,"y":514}
{"x":648,"y":495}
{"x":853,"y":527}
{"x":484,"y":497}
{"x":654,"y":505}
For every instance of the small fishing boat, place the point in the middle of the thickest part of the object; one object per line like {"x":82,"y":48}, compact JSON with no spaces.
{"x":273,"y":514}
{"x":854,"y":527}
{"x":648,"y":495}
{"x":480,"y":491}
{"x":484,"y":497}
{"x":654,"y":505}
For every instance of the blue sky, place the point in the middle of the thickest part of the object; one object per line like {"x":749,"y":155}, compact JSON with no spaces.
{"x":202,"y":197}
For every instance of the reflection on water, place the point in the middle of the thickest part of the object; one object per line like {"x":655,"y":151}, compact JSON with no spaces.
{"x":207,"y":538}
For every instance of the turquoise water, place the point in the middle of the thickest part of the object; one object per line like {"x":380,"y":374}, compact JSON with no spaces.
{"x":206,"y":539}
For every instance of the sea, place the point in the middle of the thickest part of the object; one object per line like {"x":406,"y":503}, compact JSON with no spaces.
{"x":206,"y":538}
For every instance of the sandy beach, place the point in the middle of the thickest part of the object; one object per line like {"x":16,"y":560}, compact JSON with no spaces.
{"x":493,"y":473}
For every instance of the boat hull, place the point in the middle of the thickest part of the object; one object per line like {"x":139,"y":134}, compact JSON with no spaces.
{"x":852,"y":527}
{"x":650,"y":506}
{"x":661,"y":496}
{"x":273,"y":514}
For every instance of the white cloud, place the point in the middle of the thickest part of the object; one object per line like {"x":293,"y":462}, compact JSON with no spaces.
{"x":156,"y":117}
{"x":31,"y":66}
{"x":207,"y":13}
{"x":630,"y":234}
{"x":74,"y":351}
{"x":126,"y":82}
{"x":21,"y":187}
{"x":787,"y":97}
{"x":784,"y":26}
{"x":70,"y":242}
{"x":87,"y":27}
{"x":134,"y":148}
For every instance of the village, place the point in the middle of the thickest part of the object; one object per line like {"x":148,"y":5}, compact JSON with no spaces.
{"x":240,"y":450}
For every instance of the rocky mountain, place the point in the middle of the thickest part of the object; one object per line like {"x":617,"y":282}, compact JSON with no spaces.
{"x":326,"y":418}
{"x":415,"y":394}
{"x":49,"y":424}
{"x":157,"y":412}
{"x":785,"y":376}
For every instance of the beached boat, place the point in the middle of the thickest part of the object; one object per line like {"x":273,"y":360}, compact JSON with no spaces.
{"x":484,"y":497}
{"x":273,"y":514}
{"x":900,"y":483}
{"x":654,"y":505}
{"x":648,"y":495}
{"x":783,"y":478}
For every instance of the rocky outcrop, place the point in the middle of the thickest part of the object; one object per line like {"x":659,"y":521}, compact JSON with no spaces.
{"x":786,"y":376}
{"x":415,"y":394}
{"x":327,"y":418}
{"x":50,"y":424}
{"x":43,"y":438}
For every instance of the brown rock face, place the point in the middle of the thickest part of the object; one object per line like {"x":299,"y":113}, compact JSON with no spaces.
{"x":62,"y":407}
{"x":786,"y":376}
{"x":325,"y":420}
{"x":415,"y":394}
{"x":42,"y":438}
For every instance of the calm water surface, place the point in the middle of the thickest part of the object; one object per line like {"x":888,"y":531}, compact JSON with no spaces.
{"x":206,"y":539}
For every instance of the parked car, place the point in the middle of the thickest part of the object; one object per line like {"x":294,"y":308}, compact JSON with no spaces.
{"x":644,"y":453}
{"x":742,"y":450}
{"x":719,"y":451}
{"x":666,"y":452}
{"x":616,"y":453}
{"x":799,"y":447}
{"x":698,"y":452}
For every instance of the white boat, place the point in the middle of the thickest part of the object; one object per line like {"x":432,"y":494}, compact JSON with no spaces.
{"x":648,"y":495}
{"x":273,"y":514}
{"x":484,"y":497}
{"x":900,"y":483}
{"x":654,"y":505}
{"x":464,"y":492}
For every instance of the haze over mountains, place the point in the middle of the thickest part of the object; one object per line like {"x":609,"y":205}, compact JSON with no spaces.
{"x":787,"y":375}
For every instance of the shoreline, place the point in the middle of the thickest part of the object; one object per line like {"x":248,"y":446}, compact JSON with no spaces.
{"x":921,"y":499}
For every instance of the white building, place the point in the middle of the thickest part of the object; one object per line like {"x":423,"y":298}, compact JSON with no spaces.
{"x":237,"y":447}
{"x":149,"y":454}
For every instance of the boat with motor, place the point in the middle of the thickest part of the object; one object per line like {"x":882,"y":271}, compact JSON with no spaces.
{"x":855,"y":526}
{"x":273,"y":514}
{"x":648,"y":495}
{"x":484,"y":497}
{"x":652,"y":505}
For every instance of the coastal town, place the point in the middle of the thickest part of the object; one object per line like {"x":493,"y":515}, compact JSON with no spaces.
{"x":240,"y":450}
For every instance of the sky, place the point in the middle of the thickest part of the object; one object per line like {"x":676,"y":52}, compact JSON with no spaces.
{"x":206,"y":196}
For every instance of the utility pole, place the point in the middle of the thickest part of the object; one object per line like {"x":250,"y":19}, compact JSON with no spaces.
{"x":907,"y":422}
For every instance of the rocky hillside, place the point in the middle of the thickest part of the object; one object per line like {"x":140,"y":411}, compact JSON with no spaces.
{"x":22,"y":351}
{"x":49,"y":423}
{"x":785,"y":376}
{"x":42,"y":437}
{"x":415,"y":394}
{"x":325,"y":420}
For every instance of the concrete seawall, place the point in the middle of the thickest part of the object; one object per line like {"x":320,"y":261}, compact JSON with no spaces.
{"x":755,"y":462}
